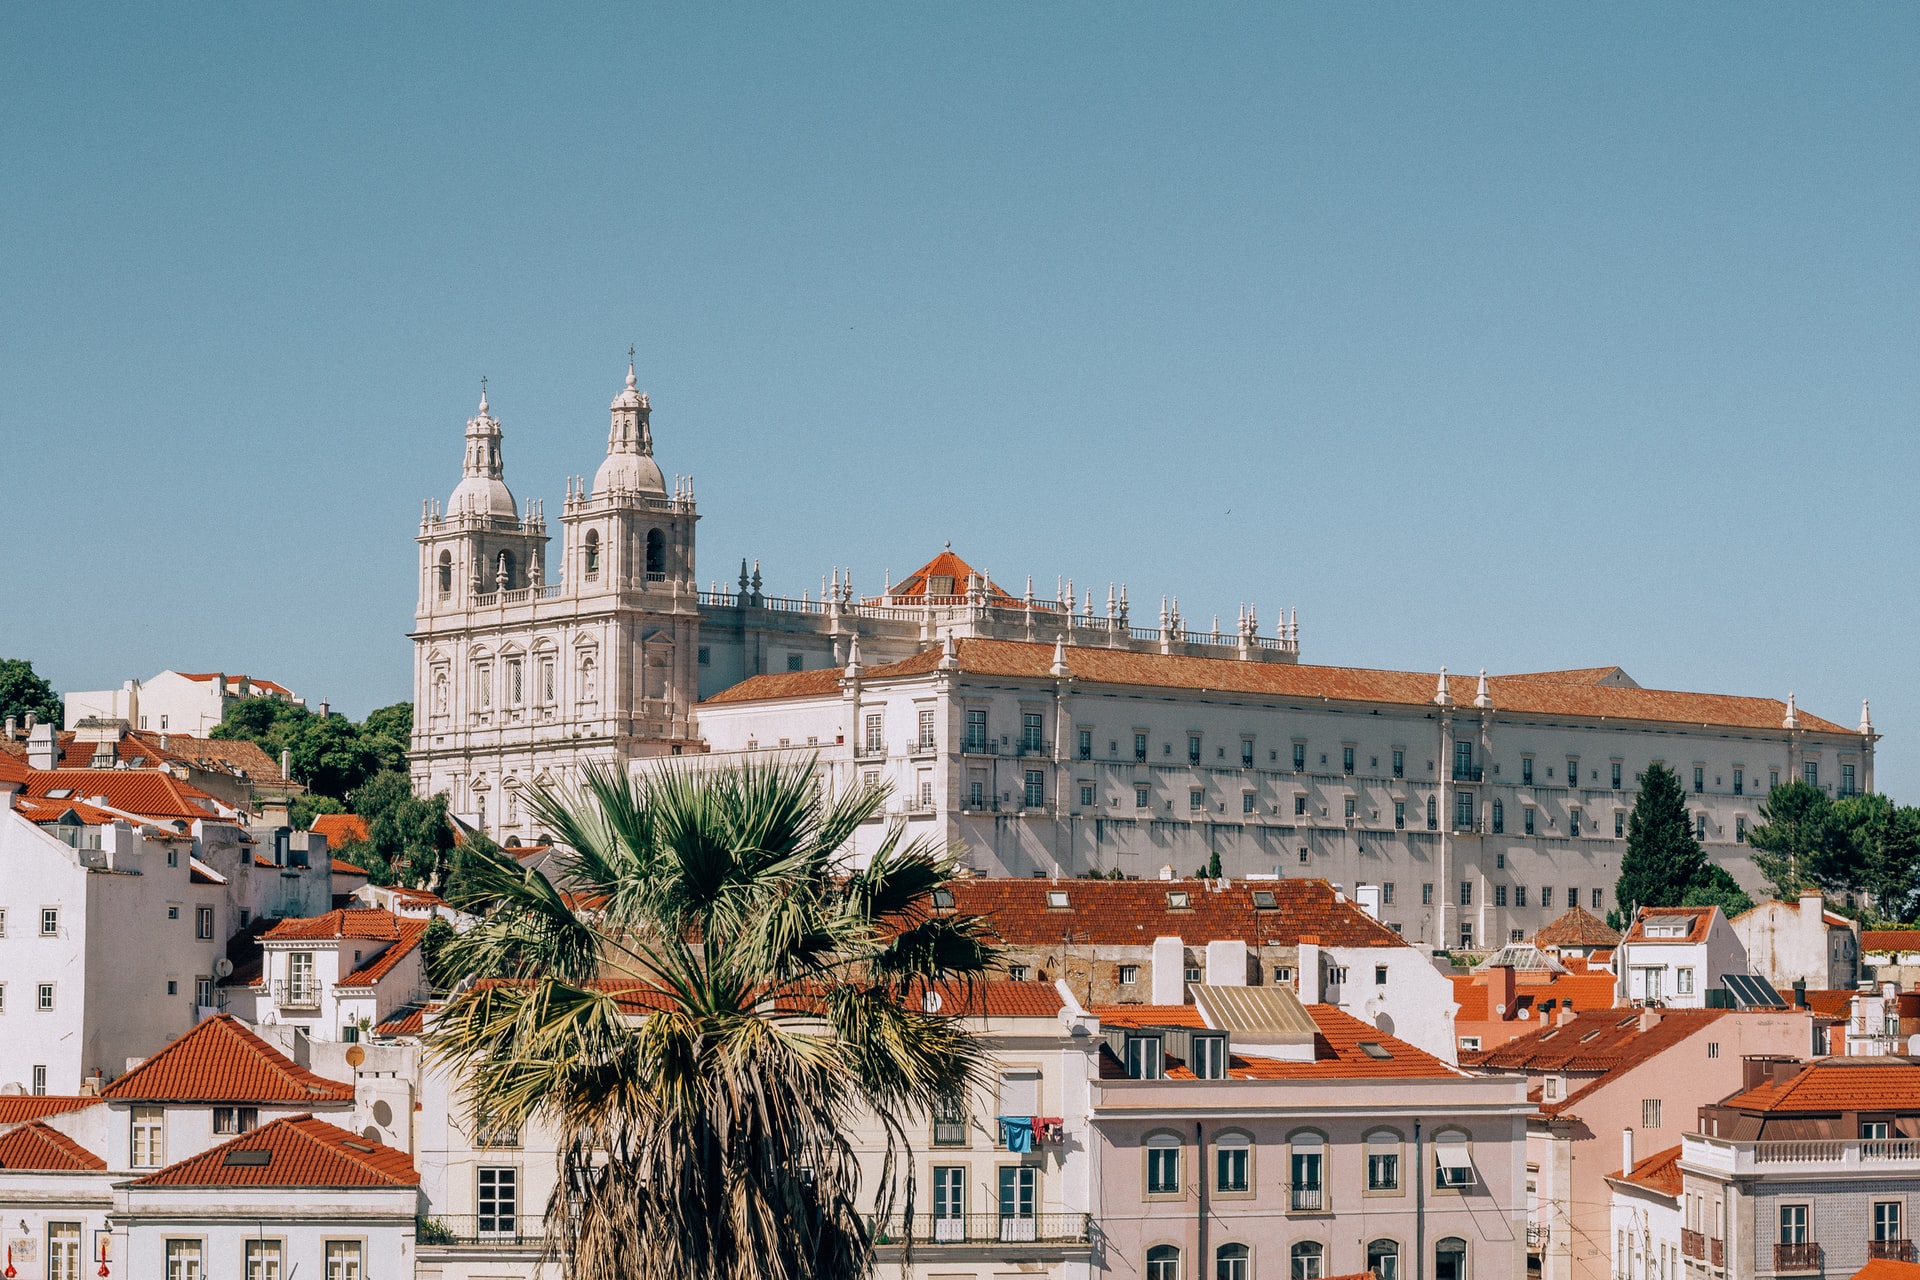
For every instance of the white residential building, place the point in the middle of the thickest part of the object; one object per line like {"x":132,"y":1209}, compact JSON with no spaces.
{"x":1645,"y":1199}
{"x":1801,"y":942}
{"x":335,"y":976}
{"x":190,"y":702}
{"x":1674,"y":956}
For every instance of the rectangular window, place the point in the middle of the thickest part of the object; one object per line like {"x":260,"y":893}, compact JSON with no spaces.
{"x":1017,"y":1201}
{"x":1462,"y":810}
{"x":1650,"y":1113}
{"x":1299,"y":756}
{"x":1519,"y":895}
{"x":1163,"y":1165}
{"x":1383,"y":1163}
{"x":1032,"y":731}
{"x":229,"y":1121}
{"x":516,"y":682}
{"x":1573,"y":822}
{"x":1306,"y":1164}
{"x":149,"y":1141}
{"x":1231,"y":1158}
{"x":976,"y":793}
{"x":1195,"y":799}
{"x":63,"y":1251}
{"x":1573,"y":772}
{"x":976,"y":729}
{"x":344,"y":1260}
{"x":950,"y":1125}
{"x":1386,"y":894}
{"x":1144,"y":1058}
{"x":1684,"y":981}
{"x":1596,"y":899}
{"x":1499,"y":895}
{"x":263,"y":1260}
{"x":49,"y":922}
{"x":1886,"y":1220}
{"x":498,"y":1200}
{"x":1466,"y":893}
{"x":1086,"y":744}
{"x":1139,"y":746}
{"x":183,"y":1260}
{"x":1793,"y":1224}
{"x":1546,"y":895}
{"x":1699,"y":780}
{"x":1036,"y":788}
{"x":1526,"y":819}
{"x":1463,"y":761}
{"x":1426,"y":895}
{"x":40,"y":1080}
{"x":1193,"y":748}
{"x":546,"y":680}
{"x":1246,"y":753}
{"x":796,"y":662}
{"x":43,"y":998}
{"x":1399,"y":815}
{"x":1700,"y":826}
{"x":1499,"y":817}
{"x":875,"y":735}
{"x":301,"y":988}
{"x":1740,"y":829}
{"x":203,"y":923}
{"x":1619,"y":824}
{"x":1526,"y":771}
{"x":483,"y":686}
{"x":1246,"y":802}
{"x":1349,"y":808}
{"x":1399,"y":762}
{"x":3,"y":922}
{"x":1129,"y":974}
{"x":1141,"y":797}
{"x":203,"y":992}
{"x":1346,"y":759}
{"x":1739,"y":782}
{"x":1616,"y":775}
{"x":925,"y":725}
{"x":1846,"y":780}
{"x":1811,"y":772}
{"x":1299,"y":806}
{"x":1209,"y":1057}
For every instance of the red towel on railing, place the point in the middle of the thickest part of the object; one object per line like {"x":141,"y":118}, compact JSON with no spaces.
{"x":1050,"y":1129}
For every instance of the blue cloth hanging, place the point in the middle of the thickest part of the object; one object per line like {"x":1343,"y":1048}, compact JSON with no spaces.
{"x":1017,"y":1132}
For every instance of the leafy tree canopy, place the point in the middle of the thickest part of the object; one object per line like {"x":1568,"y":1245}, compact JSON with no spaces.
{"x":1717,"y":888}
{"x":1796,"y":841}
{"x":22,"y":691}
{"x":331,"y":754}
{"x":1663,"y":860}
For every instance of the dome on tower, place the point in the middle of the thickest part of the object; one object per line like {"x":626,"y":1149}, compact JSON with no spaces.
{"x":482,"y":486}
{"x":629,"y":464}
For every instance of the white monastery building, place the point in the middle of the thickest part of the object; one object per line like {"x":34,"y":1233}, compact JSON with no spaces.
{"x":1048,"y":736}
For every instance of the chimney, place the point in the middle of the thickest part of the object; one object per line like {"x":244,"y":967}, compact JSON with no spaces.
{"x":1368,"y":898}
{"x":1799,"y":993}
{"x":13,"y":728}
{"x":1649,"y":1018}
{"x":1500,"y":982}
{"x":286,"y":762}
{"x":1307,"y":966}
{"x":1169,"y":971}
{"x":1626,"y":1151}
{"x":41,"y":751}
{"x":1226,"y":963}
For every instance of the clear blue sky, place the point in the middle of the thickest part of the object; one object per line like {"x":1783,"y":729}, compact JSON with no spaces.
{"x":1516,"y":337}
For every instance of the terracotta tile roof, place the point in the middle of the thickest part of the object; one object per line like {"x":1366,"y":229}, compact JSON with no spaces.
{"x":410,"y":1021}
{"x":221,"y":1061}
{"x":41,"y":1146}
{"x":1828,"y":1003}
{"x":300,"y":1152}
{"x":1890,"y":940}
{"x":1148,"y":1015}
{"x":150,"y":793}
{"x":1577,"y":927}
{"x":1015,"y":659}
{"x":340,"y":829}
{"x":957,"y":571}
{"x":1573,"y":675}
{"x":1600,"y":1042}
{"x":370,"y":973}
{"x":997,"y":998}
{"x":1697,"y":920}
{"x":819,"y":683}
{"x":1135,"y":912}
{"x":341,"y":867}
{"x":1888,"y":1269}
{"x":1658,"y":1172}
{"x":20,"y":1108}
{"x":51,"y":811}
{"x":342,"y":922}
{"x":1337,"y":1051}
{"x":1838,"y":1084}
{"x":1579,"y":990}
{"x":13,"y":768}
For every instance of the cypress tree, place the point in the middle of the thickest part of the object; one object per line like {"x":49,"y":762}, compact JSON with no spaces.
{"x":1663,"y":860}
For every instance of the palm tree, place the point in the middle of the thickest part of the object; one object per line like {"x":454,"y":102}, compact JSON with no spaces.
{"x":701,"y":1002}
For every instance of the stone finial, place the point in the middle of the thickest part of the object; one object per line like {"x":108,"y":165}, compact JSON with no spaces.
{"x":1792,"y":720}
{"x":853,"y":658}
{"x":1481,"y":698}
{"x":1866,"y":719}
{"x":1059,"y":667}
{"x":949,"y":654}
{"x":1440,"y":695}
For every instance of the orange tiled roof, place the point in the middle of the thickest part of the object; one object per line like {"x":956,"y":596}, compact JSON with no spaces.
{"x":1599,"y":1042}
{"x":1337,"y":1052}
{"x":1577,"y":927}
{"x":1888,"y":1269}
{"x":341,"y":867}
{"x":1658,"y":1172}
{"x":150,"y":793}
{"x":41,"y":1146}
{"x":957,"y":571}
{"x":370,"y":973}
{"x":997,"y":998}
{"x":341,"y":829}
{"x":1837,"y":1084}
{"x":1890,"y":940}
{"x":1697,"y":920}
{"x":301,"y":1152}
{"x":1017,"y":659}
{"x":1829,"y":1003}
{"x":1135,"y":912}
{"x":20,"y":1108}
{"x":1572,"y":675}
{"x":342,"y":922}
{"x":221,"y":1061}
{"x":410,"y":1021}
{"x":46,"y":811}
{"x":1578,"y":990}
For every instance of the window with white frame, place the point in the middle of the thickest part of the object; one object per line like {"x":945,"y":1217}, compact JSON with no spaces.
{"x":43,"y":997}
{"x":345,"y":1260}
{"x":1163,"y":1164}
{"x":1383,"y":1160}
{"x":1163,"y":1262}
{"x":263,"y":1260}
{"x":1306,"y":1165}
{"x":1649,"y":1113}
{"x":498,"y":1200}
{"x":149,"y":1147}
{"x":1232,"y":1164}
{"x":49,"y":922}
{"x":184,"y":1260}
{"x":1452,"y":1159}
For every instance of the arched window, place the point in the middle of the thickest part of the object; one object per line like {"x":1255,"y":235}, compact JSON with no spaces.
{"x":1306,"y":1167}
{"x":656,"y":552}
{"x":1450,"y":1259}
{"x":1163,"y":1164}
{"x":593,"y":553}
{"x":1163,"y":1263}
{"x":1308,"y":1259}
{"x":1232,"y":1262}
{"x":1383,"y":1259}
{"x":1232,"y":1163}
{"x":444,"y":574}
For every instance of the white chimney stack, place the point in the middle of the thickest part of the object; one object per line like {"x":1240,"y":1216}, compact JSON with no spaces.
{"x":1626,"y":1151}
{"x":1169,"y":971}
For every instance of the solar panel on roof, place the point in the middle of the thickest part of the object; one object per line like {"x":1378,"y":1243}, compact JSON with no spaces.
{"x":1751,"y":991}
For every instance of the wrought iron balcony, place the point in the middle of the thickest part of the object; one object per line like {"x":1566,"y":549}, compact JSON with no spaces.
{"x":1538,"y":1232}
{"x":1306,"y":1199}
{"x":1898,"y":1250}
{"x":1796,"y":1257}
{"x":985,"y":1228}
{"x":1467,"y":773}
{"x":296,"y":995}
{"x":479,"y":1229}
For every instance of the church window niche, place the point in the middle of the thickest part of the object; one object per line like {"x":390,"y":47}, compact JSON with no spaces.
{"x":593,"y":554}
{"x":443,"y":574}
{"x":656,"y":555}
{"x":440,"y":693}
{"x":589,"y":680}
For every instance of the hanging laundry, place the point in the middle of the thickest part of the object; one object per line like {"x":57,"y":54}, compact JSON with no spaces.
{"x":1017,"y":1132}
{"x":1051,"y":1130}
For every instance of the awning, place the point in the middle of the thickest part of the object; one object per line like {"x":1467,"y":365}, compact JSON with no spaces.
{"x":1450,"y":1151}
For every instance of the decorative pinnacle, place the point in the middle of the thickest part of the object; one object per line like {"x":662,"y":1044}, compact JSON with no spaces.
{"x":483,"y":393}
{"x":1441,"y":696}
{"x":1866,"y":717}
{"x":632,"y":382}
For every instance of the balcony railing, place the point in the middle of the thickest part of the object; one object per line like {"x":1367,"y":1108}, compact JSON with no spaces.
{"x":986,"y":1228}
{"x":1796,"y":1257}
{"x":296,"y":995}
{"x":479,"y":1229}
{"x":1036,"y":747}
{"x":979,"y":747}
{"x":1693,"y":1244}
{"x":1898,"y":1250}
{"x":1467,"y":773}
{"x":1717,"y":1253}
{"x":1538,"y":1232}
{"x":1305,"y":1199}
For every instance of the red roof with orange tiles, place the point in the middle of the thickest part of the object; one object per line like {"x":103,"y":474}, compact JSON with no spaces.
{"x":341,"y":867}
{"x":1837,"y":1084}
{"x":1890,"y":941}
{"x":1597,"y":1042}
{"x":1658,"y":1172}
{"x":1337,"y":1052}
{"x":46,"y":811}
{"x":342,"y":922}
{"x":1696,"y":919}
{"x":1577,"y":927}
{"x":341,"y":829}
{"x":1016,"y":659}
{"x":20,"y":1108}
{"x":410,"y":1021}
{"x":150,"y":793}
{"x":1888,"y":1269}
{"x":1135,"y":912}
{"x":221,"y":1061}
{"x":299,"y":1151}
{"x":919,"y":584}
{"x":1578,"y":990}
{"x":370,"y":973}
{"x":40,"y":1146}
{"x":994,"y":998}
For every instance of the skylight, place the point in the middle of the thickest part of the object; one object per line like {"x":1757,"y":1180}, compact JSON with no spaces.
{"x":251,"y":1156}
{"x":1056,"y":897}
{"x":943,"y":897}
{"x":1374,"y":1049}
{"x":1178,"y":900}
{"x":1263,"y":900}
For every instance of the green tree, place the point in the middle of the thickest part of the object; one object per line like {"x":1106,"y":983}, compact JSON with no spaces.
{"x":701,"y":1038}
{"x":329,"y":755}
{"x":388,"y":732}
{"x":432,"y":943}
{"x":303,"y":809}
{"x":1213,"y":865}
{"x":1663,"y":860}
{"x":1794,"y":843}
{"x":1717,"y":888}
{"x":22,"y":691}
{"x":269,"y":722}
{"x":409,"y":836}
{"x":1877,"y":853}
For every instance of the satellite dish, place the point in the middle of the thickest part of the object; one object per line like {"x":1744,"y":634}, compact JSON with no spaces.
{"x":931,"y":1002}
{"x":355,"y":1055}
{"x":222,"y":968}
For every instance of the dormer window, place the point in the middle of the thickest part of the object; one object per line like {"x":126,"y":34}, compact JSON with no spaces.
{"x":1145,"y":1058}
{"x":1208,"y":1058}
